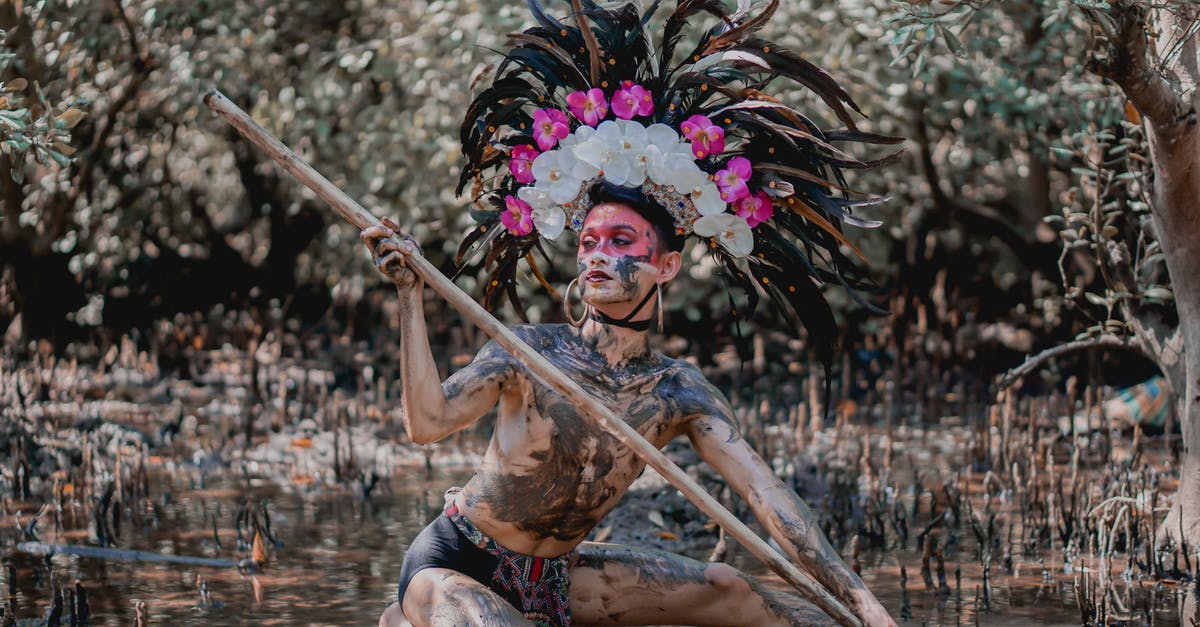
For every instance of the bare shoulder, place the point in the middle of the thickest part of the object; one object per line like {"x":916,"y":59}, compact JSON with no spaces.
{"x":691,"y":395}
{"x":535,"y":335}
{"x":493,"y":362}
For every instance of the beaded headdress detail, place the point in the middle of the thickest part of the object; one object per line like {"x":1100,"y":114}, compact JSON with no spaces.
{"x":588,"y":97}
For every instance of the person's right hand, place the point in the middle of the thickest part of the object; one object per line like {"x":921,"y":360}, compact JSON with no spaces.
{"x":390,"y":248}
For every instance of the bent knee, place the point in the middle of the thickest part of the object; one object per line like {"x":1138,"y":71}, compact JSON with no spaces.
{"x":432,"y":587}
{"x":393,"y":616}
{"x":725,"y":578}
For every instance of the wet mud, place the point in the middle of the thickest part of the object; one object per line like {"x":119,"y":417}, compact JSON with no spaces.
{"x":1003,"y":514}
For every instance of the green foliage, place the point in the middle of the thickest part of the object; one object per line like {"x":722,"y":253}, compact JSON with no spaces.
{"x":1111,"y":266}
{"x":1005,"y":123}
{"x":32,"y":126}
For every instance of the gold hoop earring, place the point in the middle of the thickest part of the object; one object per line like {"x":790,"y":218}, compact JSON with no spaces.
{"x":567,"y":305}
{"x":658,"y":287}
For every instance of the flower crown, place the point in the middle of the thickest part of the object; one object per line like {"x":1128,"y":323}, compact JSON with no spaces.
{"x":589,"y":97}
{"x":626,"y":152}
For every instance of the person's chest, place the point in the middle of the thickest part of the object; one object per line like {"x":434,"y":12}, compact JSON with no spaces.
{"x":538,"y":425}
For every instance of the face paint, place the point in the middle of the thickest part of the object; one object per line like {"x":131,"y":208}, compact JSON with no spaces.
{"x":617,"y":248}
{"x":617,"y":230}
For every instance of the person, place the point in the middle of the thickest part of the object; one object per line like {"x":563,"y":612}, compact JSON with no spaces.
{"x":586,"y":126}
{"x":510,"y":544}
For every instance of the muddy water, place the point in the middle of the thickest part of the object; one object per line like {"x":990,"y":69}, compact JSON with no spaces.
{"x":337,"y":557}
{"x":335,"y":562}
{"x":338,"y":554}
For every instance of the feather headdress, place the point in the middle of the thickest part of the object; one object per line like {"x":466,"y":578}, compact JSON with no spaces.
{"x":589,"y":96}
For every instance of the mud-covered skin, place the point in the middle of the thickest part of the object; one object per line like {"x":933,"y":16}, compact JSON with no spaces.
{"x":466,"y":603}
{"x":622,"y":585}
{"x":618,"y":241}
{"x":550,"y":475}
{"x":550,"y":472}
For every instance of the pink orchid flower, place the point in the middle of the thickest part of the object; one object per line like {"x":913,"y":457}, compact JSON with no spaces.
{"x":632,"y":99}
{"x":521,"y":163}
{"x":756,"y":208}
{"x":588,"y":106}
{"x":732,"y":180}
{"x":549,"y":126}
{"x":518,"y":217}
{"x":707,"y":138}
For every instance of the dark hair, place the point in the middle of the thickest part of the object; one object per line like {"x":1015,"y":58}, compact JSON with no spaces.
{"x":644,"y":205}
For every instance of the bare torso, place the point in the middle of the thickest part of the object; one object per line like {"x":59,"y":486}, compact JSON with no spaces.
{"x":551,"y":473}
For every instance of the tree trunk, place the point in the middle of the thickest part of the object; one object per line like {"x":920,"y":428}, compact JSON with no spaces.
{"x":1174,"y":144}
{"x":1176,"y":187}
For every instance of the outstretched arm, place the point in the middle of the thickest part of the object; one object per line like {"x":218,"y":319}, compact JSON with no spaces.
{"x":432,"y":410}
{"x":786,"y":518}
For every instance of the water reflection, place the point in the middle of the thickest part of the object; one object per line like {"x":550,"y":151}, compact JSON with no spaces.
{"x":338,"y":556}
{"x":336,"y":564}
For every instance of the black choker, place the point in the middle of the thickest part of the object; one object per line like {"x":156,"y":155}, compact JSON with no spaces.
{"x":636,"y":325}
{"x":626,"y":323}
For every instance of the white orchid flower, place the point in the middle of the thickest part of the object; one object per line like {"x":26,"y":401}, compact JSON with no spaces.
{"x":536,"y":197}
{"x":554,"y":171}
{"x":582,"y":169}
{"x":667,"y":167}
{"x":629,"y":140}
{"x":605,"y":156}
{"x":706,"y":196}
{"x":579,"y":169}
{"x":732,"y":232}
{"x":581,"y":134}
{"x":655,"y":161}
{"x":550,"y":221}
{"x":661,"y":135}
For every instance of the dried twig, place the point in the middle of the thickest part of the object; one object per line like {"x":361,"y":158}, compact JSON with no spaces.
{"x":1035,"y":361}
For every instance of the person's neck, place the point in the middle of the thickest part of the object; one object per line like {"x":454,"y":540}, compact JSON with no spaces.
{"x":616,"y":344}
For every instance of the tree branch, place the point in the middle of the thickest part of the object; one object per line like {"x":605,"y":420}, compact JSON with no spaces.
{"x":134,"y":49}
{"x":143,"y":65}
{"x":13,"y":197}
{"x":20,"y":37}
{"x":1126,"y":61}
{"x":1033,"y":362}
{"x":1161,"y":342}
{"x":982,"y":218}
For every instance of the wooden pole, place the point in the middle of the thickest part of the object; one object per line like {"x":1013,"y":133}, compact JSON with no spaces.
{"x":356,"y":215}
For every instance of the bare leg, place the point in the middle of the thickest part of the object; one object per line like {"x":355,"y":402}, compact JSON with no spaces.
{"x":440,"y":597}
{"x":393,"y":616}
{"x":619,"y":585}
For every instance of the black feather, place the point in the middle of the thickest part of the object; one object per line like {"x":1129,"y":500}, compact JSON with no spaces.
{"x":544,"y":18}
{"x":846,"y":135}
{"x":673,"y":27}
{"x":792,"y":66}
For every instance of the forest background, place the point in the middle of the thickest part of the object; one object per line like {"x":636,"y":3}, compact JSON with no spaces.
{"x":1046,"y":185}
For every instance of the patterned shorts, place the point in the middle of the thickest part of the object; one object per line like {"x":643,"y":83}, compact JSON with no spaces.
{"x":535,"y":586}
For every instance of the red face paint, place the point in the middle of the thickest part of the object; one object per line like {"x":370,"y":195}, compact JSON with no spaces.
{"x":617,"y":231}
{"x":618,"y":252}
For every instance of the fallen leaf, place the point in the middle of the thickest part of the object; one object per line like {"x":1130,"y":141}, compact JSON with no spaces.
{"x":70,"y":117}
{"x":259,"y":550}
{"x":1132,"y":114}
